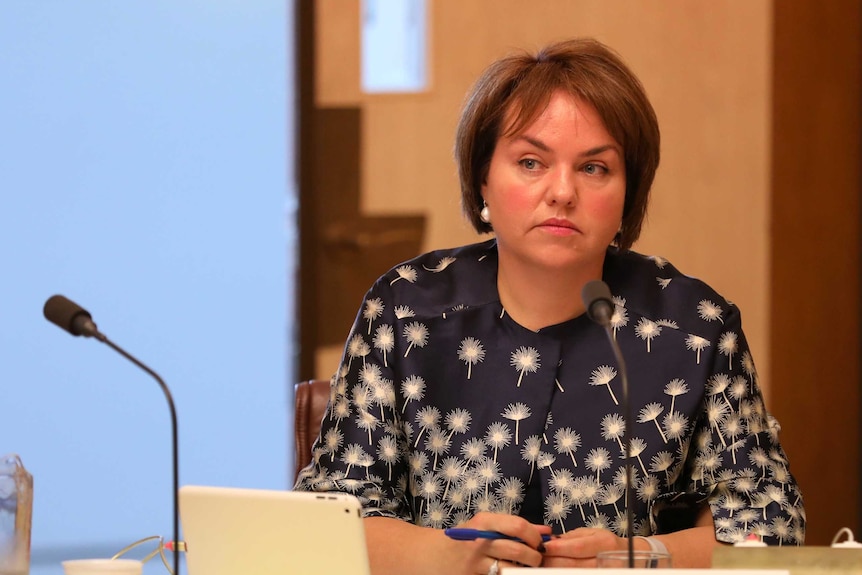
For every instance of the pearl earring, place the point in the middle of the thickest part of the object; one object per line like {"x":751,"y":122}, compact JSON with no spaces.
{"x":485,"y":214}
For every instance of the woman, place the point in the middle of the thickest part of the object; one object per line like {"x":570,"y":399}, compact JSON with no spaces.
{"x":474,"y":391}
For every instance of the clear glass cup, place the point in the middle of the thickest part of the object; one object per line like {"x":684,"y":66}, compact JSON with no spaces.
{"x":16,"y":508}
{"x":641,"y":560}
{"x":103,"y":567}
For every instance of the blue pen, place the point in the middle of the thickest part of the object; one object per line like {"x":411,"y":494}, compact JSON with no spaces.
{"x":465,"y":534}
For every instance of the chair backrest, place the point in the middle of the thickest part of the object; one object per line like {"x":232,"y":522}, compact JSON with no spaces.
{"x":310,"y":400}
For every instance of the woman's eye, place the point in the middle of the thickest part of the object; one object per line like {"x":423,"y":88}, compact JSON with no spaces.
{"x":594,"y":169}
{"x":530,"y":164}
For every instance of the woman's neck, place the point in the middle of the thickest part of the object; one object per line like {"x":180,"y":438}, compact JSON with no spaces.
{"x":538,"y":297}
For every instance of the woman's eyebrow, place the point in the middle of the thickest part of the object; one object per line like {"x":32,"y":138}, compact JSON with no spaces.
{"x":534,"y":142}
{"x":601,"y":149}
{"x":591,"y":152}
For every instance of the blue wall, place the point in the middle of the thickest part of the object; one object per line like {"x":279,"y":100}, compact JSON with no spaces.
{"x":144,"y":173}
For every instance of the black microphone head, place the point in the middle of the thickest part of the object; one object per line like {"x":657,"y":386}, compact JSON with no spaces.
{"x":596,"y":296}
{"x":70,"y":316}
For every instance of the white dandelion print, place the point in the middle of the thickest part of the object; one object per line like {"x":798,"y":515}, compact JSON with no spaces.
{"x":489,"y":472}
{"x":365,"y":420}
{"x":340,"y":410}
{"x":715,"y":411}
{"x":471,"y":352}
{"x":356,"y":347}
{"x":567,"y":441}
{"x":748,"y":366}
{"x":403,"y":311}
{"x":353,"y":455}
{"x":696,"y":344}
{"x":609,"y":495}
{"x":525,"y":360}
{"x":648,"y":489}
{"x":546,"y":460}
{"x":674,"y":388}
{"x":598,"y":460}
{"x":444,"y":263}
{"x":412,"y":389}
{"x":603,"y":375}
{"x":613,"y":428}
{"x":516,"y":412}
{"x":659,"y":261}
{"x":332,"y":442}
{"x":531,"y":451}
{"x":557,"y":508}
{"x":731,"y":427}
{"x":458,"y":421}
{"x":451,"y":470}
{"x":427,"y":418}
{"x":498,"y":436}
{"x":384,"y":340}
{"x":473,"y":449}
{"x":718,"y":384}
{"x":727,"y":345}
{"x":650,"y":413}
{"x":416,"y":335}
{"x":620,"y":317}
{"x":708,"y":311}
{"x":661,"y":462}
{"x":511,"y":494}
{"x":373,"y":310}
{"x":405,"y":272}
{"x":663,"y":282}
{"x":647,"y":330}
{"x":638,"y":446}
{"x":438,"y":443}
{"x":370,"y":374}
{"x":387,"y":451}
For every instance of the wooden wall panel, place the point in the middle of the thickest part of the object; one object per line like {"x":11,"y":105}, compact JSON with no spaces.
{"x":337,"y":44}
{"x":815,"y":255}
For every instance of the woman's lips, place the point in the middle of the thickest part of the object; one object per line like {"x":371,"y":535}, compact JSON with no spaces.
{"x":559,"y":226}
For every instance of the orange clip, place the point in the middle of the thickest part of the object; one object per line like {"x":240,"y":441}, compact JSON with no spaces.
{"x":181,"y":546}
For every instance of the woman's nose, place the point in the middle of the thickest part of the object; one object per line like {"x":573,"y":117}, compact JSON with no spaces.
{"x":562,"y":189}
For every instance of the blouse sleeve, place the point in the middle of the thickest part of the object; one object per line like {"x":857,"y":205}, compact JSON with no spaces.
{"x":362,"y":448}
{"x":735,"y":462}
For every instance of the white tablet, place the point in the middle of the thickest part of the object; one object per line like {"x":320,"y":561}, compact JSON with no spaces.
{"x":231,"y":530}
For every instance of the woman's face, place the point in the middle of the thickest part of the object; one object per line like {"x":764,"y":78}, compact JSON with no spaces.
{"x":555,"y":191}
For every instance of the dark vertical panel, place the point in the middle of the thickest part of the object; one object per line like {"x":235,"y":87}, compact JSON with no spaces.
{"x":306,"y":275}
{"x":859,"y":279}
{"x":350,"y":250}
{"x":335,"y":163}
{"x":341,"y":251}
{"x":815,"y":207}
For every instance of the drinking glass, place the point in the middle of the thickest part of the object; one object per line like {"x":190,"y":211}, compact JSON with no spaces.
{"x":103,"y":567}
{"x":641,"y":560}
{"x":16,"y":508}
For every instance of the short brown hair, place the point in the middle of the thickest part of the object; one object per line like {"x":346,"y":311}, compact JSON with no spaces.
{"x":586,"y":69}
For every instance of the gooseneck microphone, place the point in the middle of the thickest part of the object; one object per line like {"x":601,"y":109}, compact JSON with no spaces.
{"x":78,"y":321}
{"x":596,"y":296}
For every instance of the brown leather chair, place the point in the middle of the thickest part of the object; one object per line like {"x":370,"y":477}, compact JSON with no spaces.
{"x":310,"y":400}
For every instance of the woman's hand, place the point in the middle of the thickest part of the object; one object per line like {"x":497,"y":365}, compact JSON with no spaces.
{"x":396,"y":547}
{"x":578,"y":548}
{"x":489,"y":556}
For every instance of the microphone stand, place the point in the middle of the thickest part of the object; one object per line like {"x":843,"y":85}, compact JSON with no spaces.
{"x":71,"y":317}
{"x":627,"y":417}
{"x":174,"y":443}
{"x":599,"y":306}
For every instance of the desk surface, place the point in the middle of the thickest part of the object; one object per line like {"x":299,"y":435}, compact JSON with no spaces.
{"x":806,"y":560}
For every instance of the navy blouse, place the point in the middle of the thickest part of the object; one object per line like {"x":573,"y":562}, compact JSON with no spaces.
{"x":444,"y":406}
